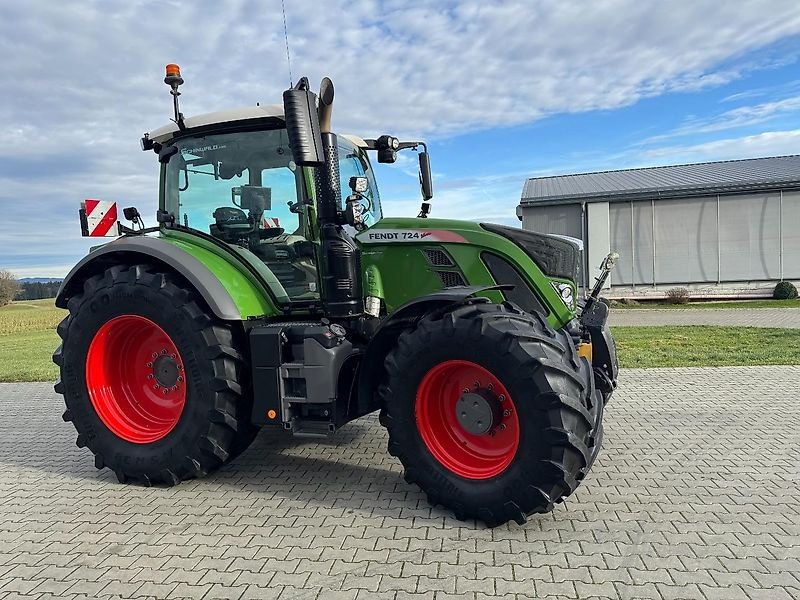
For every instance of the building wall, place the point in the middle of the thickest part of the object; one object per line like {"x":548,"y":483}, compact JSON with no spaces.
{"x":710,"y":240}
{"x":749,"y":237}
{"x":599,"y":242}
{"x":562,"y":219}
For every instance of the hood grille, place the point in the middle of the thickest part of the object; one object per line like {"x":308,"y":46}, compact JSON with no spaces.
{"x":451,"y":279}
{"x":438,"y":258}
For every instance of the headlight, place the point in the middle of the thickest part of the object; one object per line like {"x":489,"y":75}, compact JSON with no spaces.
{"x":566,"y":293}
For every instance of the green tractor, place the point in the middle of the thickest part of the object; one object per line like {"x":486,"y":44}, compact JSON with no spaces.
{"x":273,"y":293}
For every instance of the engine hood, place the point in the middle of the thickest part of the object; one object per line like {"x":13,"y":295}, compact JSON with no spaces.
{"x":557,"y":256}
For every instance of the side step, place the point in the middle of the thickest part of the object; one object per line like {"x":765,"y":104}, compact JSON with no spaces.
{"x":310,"y":429}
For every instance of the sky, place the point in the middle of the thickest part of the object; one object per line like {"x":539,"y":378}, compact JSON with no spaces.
{"x":501,"y":90}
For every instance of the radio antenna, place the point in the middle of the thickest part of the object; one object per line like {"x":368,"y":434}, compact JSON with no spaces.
{"x":286,"y":37}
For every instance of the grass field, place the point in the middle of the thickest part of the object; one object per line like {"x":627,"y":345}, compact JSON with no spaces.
{"x":706,"y":346}
{"x":28,"y":338}
{"x":731,"y":304}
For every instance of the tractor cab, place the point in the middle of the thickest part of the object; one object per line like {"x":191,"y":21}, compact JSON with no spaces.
{"x":231,"y":175}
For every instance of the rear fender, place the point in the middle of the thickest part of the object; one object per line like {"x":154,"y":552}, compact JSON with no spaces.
{"x":148,"y":250}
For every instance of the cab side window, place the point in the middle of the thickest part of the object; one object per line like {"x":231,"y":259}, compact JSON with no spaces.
{"x":351,"y":165}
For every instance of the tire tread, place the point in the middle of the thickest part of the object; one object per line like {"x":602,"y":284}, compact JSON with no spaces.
{"x":229,"y":430}
{"x":566,"y":400}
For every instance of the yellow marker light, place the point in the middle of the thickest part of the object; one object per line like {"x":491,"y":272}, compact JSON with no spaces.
{"x":271,"y":414}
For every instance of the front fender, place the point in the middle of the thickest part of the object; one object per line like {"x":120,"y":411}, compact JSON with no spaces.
{"x":151,"y":250}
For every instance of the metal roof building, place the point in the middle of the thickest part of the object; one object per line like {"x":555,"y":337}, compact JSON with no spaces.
{"x":730,"y":227}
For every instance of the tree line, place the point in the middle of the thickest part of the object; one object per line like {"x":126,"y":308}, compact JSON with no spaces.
{"x":11,"y":289}
{"x":34,"y":290}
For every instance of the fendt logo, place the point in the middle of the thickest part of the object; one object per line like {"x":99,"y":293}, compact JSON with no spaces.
{"x":373,"y":236}
{"x":397,"y":235}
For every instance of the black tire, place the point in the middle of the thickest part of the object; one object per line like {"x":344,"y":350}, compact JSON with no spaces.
{"x":213,"y":426}
{"x":559,"y":411}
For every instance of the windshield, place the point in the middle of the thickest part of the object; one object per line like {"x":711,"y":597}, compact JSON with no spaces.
{"x":247,"y":177}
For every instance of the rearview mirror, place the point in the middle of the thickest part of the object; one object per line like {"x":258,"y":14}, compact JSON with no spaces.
{"x":425,"y":178}
{"x":302,"y":125}
{"x":254,"y":198}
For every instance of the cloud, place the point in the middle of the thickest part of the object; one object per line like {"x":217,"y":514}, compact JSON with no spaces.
{"x":489,"y":198}
{"x":782,"y":89}
{"x":743,"y":116}
{"x":85,"y":79}
{"x":768,"y":143}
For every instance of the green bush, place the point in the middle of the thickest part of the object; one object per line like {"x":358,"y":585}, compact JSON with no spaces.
{"x":785,"y":290}
{"x":678,"y":295}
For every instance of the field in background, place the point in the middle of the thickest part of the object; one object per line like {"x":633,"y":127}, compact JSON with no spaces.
{"x":28,"y":338}
{"x":717,"y":304}
{"x":706,"y":346}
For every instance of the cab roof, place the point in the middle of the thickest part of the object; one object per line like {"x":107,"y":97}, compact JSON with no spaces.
{"x":164,"y":133}
{"x":264,"y":111}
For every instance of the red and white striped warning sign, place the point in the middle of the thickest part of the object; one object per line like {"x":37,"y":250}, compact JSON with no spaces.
{"x":101,"y":218}
{"x":270,"y":222}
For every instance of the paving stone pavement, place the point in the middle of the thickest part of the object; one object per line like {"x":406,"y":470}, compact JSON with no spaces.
{"x":695,"y":496}
{"x":732,"y":317}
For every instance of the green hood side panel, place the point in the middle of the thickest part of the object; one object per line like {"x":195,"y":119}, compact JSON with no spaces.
{"x":393,"y":246}
{"x":250,"y":296}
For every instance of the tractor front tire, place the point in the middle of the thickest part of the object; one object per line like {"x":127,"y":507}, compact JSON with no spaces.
{"x":151,"y":381}
{"x":491,"y":412}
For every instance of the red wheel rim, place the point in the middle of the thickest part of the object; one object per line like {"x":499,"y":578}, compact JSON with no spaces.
{"x":470,"y":455}
{"x":135,"y":379}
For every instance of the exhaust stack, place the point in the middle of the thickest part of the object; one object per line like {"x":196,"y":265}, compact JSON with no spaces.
{"x":329,"y":190}
{"x":341,"y":258}
{"x":325,"y":109}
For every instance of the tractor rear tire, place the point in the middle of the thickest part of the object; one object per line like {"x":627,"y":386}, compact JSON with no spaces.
{"x":152,"y":382}
{"x":491,"y":412}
